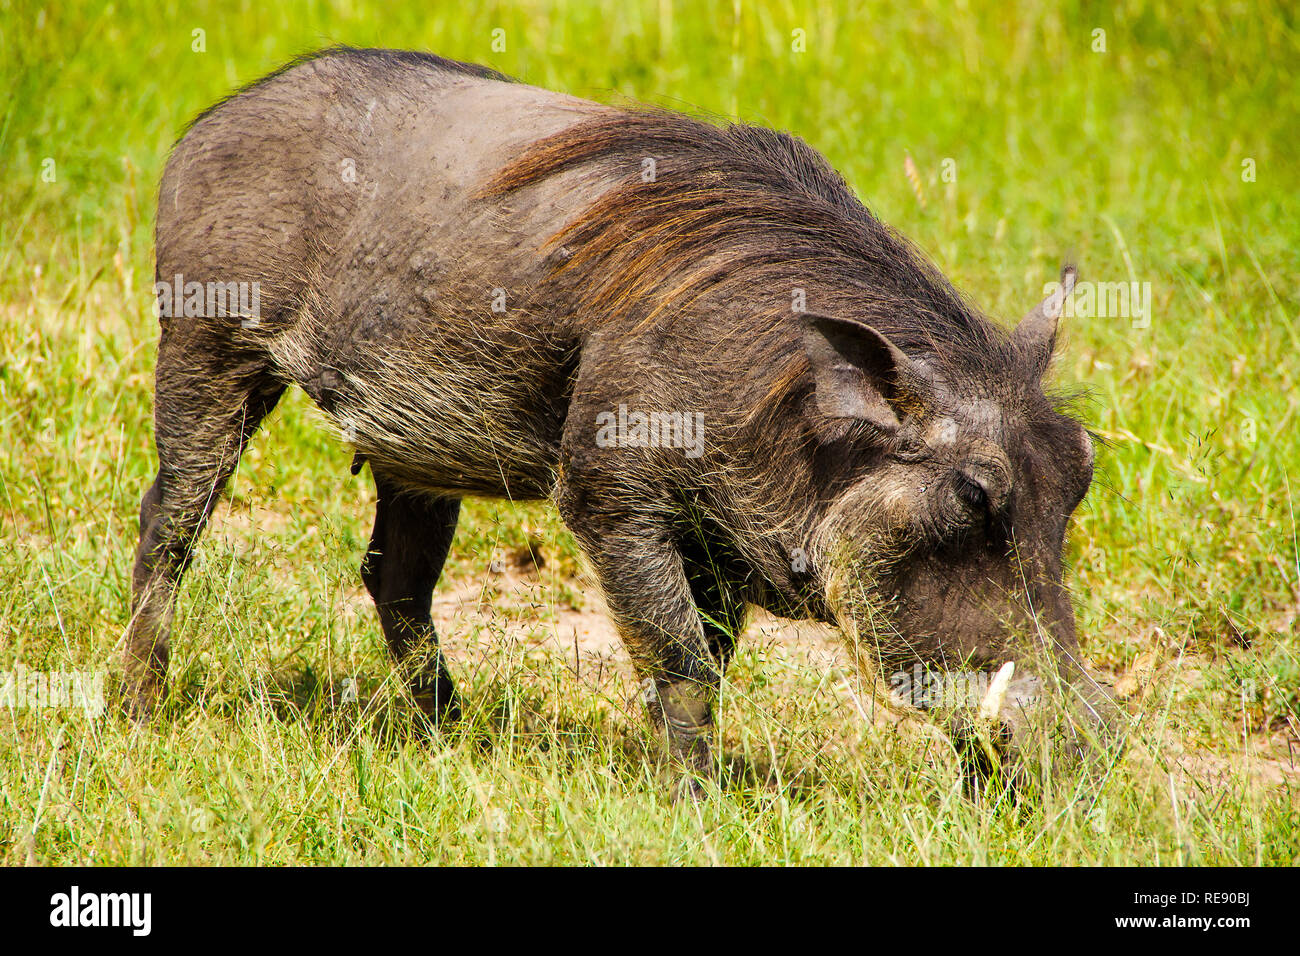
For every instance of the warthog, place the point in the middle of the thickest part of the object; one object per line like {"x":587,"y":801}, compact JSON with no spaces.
{"x":738,"y":386}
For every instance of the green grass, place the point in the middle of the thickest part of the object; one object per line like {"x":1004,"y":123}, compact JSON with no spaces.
{"x":1184,"y":556}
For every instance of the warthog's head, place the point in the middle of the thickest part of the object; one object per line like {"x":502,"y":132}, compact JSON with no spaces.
{"x":942,"y":548}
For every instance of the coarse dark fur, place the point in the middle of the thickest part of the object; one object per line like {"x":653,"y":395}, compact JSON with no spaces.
{"x":470,"y":275}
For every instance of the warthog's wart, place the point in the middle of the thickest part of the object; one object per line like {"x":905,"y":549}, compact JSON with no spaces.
{"x":470,"y":275}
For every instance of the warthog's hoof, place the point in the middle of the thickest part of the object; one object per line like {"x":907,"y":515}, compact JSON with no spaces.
{"x":141,"y":697}
{"x":681,"y":713}
{"x":441,"y":707}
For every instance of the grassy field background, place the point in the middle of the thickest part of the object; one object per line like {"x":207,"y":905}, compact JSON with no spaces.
{"x":1161,"y":151}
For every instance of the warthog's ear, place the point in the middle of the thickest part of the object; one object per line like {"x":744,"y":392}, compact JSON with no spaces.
{"x":859,"y":373}
{"x":1035,"y":336}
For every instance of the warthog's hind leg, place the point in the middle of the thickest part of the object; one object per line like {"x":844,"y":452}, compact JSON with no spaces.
{"x":207,"y":405}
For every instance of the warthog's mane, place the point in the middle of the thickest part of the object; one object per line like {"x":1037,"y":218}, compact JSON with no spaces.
{"x":742,"y":211}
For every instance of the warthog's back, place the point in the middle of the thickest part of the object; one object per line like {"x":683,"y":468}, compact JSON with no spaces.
{"x":345,"y":186}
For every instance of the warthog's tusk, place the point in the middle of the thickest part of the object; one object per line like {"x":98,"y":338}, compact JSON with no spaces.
{"x":991,"y":706}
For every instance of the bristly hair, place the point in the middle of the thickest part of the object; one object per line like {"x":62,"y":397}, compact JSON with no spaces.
{"x":740,"y":207}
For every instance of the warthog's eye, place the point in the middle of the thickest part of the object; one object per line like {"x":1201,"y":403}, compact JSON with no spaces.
{"x":971,"y":493}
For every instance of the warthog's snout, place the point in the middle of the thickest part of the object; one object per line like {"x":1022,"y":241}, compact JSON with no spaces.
{"x":1026,"y":725}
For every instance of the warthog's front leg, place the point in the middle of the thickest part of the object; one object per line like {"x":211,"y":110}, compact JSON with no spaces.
{"x":645,"y":585}
{"x":408,"y":549}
